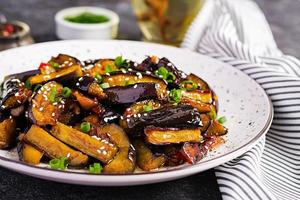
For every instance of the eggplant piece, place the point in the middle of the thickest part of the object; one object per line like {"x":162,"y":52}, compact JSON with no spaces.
{"x":206,"y":122}
{"x":149,"y":64}
{"x":170,"y":116}
{"x":193,"y":152}
{"x":180,"y":75}
{"x":14,"y":94}
{"x":89,"y":85}
{"x":64,"y":61}
{"x":163,"y":136}
{"x":139,"y":107}
{"x":99,"y":67}
{"x":110,"y":116}
{"x":146,"y":160}
{"x":201,"y":107}
{"x":131,"y":93}
{"x":23,"y":76}
{"x":7,"y":132}
{"x":17,"y":112}
{"x":215,"y":129}
{"x":41,"y":110}
{"x":31,"y":155}
{"x":65,"y":75}
{"x":85,"y":102}
{"x":121,"y":79}
{"x":52,"y":147}
{"x":124,"y":161}
{"x":200,"y":82}
{"x":205,"y":96}
{"x":98,"y":148}
{"x":71,"y":112}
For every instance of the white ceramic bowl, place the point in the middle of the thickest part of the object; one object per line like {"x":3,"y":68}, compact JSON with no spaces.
{"x":68,"y":30}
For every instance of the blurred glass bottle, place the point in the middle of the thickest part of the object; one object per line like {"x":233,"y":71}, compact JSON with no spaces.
{"x":165,"y":21}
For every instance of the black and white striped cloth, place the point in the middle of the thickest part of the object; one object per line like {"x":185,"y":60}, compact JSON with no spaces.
{"x":237,"y":33}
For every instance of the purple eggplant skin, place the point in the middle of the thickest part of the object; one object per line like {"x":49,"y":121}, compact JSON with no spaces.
{"x":110,"y":116}
{"x":147,"y":65}
{"x":83,"y":83}
{"x":23,"y":76}
{"x":131,"y":93}
{"x":164,"y":62}
{"x":180,"y":116}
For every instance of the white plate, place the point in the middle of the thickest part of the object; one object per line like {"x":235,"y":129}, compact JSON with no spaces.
{"x":244,"y":103}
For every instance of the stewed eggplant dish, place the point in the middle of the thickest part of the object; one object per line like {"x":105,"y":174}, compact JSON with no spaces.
{"x":113,"y":116}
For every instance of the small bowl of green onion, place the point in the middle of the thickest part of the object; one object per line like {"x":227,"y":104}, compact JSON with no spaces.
{"x":86,"y":23}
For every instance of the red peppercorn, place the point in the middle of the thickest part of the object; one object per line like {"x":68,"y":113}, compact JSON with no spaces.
{"x":9,"y":28}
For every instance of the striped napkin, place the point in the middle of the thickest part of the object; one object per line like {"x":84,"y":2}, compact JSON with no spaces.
{"x":236,"y":32}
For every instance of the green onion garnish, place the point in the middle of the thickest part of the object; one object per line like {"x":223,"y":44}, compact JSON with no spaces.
{"x":53,"y":64}
{"x":37,"y":87}
{"x":85,"y":127}
{"x":147,"y":108}
{"x":163,"y":73}
{"x":66,"y":92}
{"x":95,"y":168}
{"x":108,"y":69}
{"x":119,"y":61}
{"x":99,"y":78}
{"x":27,"y":84}
{"x":104,"y":85}
{"x":52,"y":95}
{"x":59,"y":163}
{"x":188,"y":85}
{"x":176,"y":95}
{"x":222,"y":120}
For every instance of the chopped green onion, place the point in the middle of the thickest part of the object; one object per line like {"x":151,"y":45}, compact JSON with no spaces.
{"x":95,"y":168}
{"x":59,"y":163}
{"x":99,"y":78}
{"x":147,"y":108}
{"x":222,"y":120}
{"x":176,"y":95}
{"x":119,"y":61}
{"x":128,"y":82}
{"x":85,"y":127}
{"x":27,"y":84}
{"x":52,"y":95}
{"x":170,"y":77}
{"x":53,"y":64}
{"x":108,"y":69}
{"x":37,"y":87}
{"x":66,"y":92}
{"x":162,"y":72}
{"x":188,"y":85}
{"x":104,"y":85}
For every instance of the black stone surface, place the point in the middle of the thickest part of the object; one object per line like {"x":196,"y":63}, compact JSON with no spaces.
{"x":284,"y":18}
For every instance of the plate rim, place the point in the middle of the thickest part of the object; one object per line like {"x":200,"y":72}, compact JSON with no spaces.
{"x":224,"y":158}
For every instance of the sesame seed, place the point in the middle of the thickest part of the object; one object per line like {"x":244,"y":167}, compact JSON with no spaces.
{"x":169,"y":64}
{"x":108,"y":74}
{"x":148,"y":72}
{"x":102,"y":148}
{"x":130,"y":69}
{"x":68,"y":155}
{"x":80,"y":79}
{"x":53,"y":114}
{"x":104,"y":152}
{"x":110,"y":79}
{"x":41,"y":108}
{"x":135,"y":64}
{"x":135,"y":86}
{"x":139,"y":115}
{"x":99,"y":151}
{"x":77,"y":84}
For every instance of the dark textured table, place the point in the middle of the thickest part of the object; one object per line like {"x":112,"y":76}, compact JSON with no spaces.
{"x":284,"y":18}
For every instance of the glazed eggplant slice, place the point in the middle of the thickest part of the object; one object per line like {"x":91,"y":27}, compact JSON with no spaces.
{"x":149,"y":64}
{"x":44,"y":109}
{"x":101,"y":67}
{"x":23,"y":76}
{"x":143,"y":106}
{"x":124,"y":161}
{"x":52,"y":147}
{"x":215,"y":129}
{"x":7,"y":132}
{"x":146,"y":160}
{"x":30,"y":154}
{"x":201,"y":107}
{"x":85,"y":102}
{"x":130,"y":77}
{"x":169,"y":116}
{"x":64,"y":61}
{"x":205,"y":96}
{"x":206,"y":121}
{"x":65,"y":75}
{"x":200,"y":82}
{"x":98,"y":148}
{"x":163,"y":136}
{"x":88,"y":84}
{"x":14,"y":94}
{"x":131,"y":93}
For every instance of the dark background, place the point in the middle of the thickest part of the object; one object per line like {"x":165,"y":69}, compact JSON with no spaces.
{"x":284,"y":18}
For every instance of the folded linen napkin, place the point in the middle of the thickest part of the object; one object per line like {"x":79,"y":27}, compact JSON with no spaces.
{"x":236,"y":32}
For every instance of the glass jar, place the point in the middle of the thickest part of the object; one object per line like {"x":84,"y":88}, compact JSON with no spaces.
{"x":20,"y":37}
